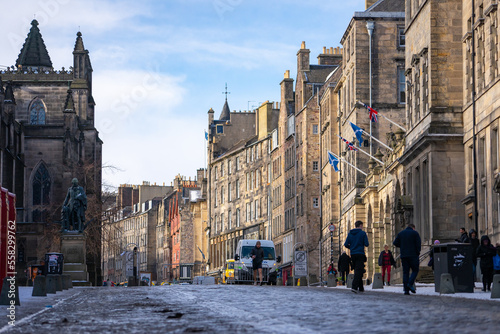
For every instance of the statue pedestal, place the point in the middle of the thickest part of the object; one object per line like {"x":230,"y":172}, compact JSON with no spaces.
{"x":73,"y":246}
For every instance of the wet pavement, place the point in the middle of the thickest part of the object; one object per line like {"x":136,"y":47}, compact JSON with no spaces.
{"x":246,"y":309}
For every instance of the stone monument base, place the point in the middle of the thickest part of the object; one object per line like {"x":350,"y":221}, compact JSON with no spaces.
{"x":73,"y":246}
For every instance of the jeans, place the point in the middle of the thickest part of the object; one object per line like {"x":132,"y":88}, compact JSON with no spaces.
{"x":388,"y":268}
{"x":413,"y":264}
{"x":358,"y":262}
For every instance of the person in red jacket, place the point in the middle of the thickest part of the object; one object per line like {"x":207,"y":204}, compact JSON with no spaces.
{"x":386,"y":260}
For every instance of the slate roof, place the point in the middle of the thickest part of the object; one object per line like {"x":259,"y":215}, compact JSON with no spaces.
{"x":387,"y":6}
{"x":34,"y":52}
{"x":224,"y":115}
{"x":318,"y":73}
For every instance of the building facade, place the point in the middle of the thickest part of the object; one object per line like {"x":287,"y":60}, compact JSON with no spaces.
{"x":56,"y":112}
{"x":239,"y":174}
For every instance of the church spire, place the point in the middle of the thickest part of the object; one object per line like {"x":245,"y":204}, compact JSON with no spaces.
{"x":224,"y":115}
{"x":34,"y":52}
{"x":79,"y":43}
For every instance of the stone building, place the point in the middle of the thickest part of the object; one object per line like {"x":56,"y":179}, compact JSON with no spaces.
{"x":433,"y":158}
{"x":283,"y":173}
{"x":60,"y":142}
{"x":481,"y":90}
{"x":132,"y":224}
{"x":186,"y":229}
{"x":239,"y":164}
{"x":310,"y":79}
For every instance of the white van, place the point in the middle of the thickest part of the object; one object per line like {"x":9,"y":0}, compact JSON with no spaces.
{"x":243,"y":270}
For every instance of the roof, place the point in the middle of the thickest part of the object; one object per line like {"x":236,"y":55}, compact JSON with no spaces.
{"x":34,"y":53}
{"x":387,"y":6}
{"x":224,"y":115}
{"x":318,"y":73}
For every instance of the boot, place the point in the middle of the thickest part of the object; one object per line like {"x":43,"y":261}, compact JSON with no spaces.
{"x":489,"y":287}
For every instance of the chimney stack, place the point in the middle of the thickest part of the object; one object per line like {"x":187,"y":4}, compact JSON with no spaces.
{"x":330,"y":56}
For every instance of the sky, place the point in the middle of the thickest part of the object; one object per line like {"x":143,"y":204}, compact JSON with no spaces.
{"x":160,"y":65}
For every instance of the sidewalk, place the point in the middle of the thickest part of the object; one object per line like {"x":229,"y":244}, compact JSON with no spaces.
{"x":31,"y":306}
{"x":428,"y":290}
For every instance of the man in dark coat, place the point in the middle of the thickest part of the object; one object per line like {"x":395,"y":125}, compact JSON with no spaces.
{"x":464,"y":237}
{"x":344,"y":266}
{"x":410,"y":245}
{"x":356,"y":241}
{"x":257,"y":255}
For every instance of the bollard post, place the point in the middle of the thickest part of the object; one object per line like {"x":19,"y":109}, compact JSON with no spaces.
{"x":331,"y":281}
{"x":50,"y":283}
{"x":65,"y":281}
{"x":39,"y":286}
{"x":446,"y":284}
{"x":5,"y":299}
{"x":495,"y":289}
{"x":377,"y":281}
{"x":350,"y":278}
{"x":59,"y":286}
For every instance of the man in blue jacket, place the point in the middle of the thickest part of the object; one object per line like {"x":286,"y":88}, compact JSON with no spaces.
{"x":356,"y":241}
{"x":409,"y":244}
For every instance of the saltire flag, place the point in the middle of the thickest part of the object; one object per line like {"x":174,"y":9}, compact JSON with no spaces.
{"x":334,"y":161}
{"x":206,"y":135}
{"x":373,"y":113}
{"x":349,"y":144}
{"x":358,"y":132}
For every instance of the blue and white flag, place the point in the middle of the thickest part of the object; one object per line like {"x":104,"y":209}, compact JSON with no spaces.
{"x":333,"y":160}
{"x":358,"y":132}
{"x":206,"y":135}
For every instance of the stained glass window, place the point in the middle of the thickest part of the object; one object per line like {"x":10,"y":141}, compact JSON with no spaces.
{"x":37,"y":112}
{"x":41,"y":186}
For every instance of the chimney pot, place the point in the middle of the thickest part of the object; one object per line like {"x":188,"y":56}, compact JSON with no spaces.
{"x":324,"y":49}
{"x":287,"y":74}
{"x":303,"y":45}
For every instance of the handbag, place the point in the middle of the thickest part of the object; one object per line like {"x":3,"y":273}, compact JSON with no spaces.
{"x":496,"y":262}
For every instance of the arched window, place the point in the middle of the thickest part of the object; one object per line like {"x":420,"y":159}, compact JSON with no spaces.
{"x":41,"y":186}
{"x":37,"y":112}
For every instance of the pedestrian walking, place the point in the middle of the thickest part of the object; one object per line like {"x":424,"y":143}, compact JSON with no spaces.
{"x":356,"y":241}
{"x":344,"y":266}
{"x":474,"y":241}
{"x":464,"y":237}
{"x":257,"y":255}
{"x":386,"y":261}
{"x":409,"y":243}
{"x":486,"y":251}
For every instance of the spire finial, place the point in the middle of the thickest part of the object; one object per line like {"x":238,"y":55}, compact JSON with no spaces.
{"x":226,"y":92}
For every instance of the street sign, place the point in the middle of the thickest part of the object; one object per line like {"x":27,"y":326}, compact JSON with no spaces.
{"x":331,"y":227}
{"x":300,"y":263}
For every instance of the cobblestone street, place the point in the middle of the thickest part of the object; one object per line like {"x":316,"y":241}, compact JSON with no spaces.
{"x":246,"y":309}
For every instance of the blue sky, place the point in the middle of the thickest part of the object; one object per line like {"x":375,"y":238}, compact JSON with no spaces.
{"x":160,"y":65}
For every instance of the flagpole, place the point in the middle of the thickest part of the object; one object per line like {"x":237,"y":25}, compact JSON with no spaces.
{"x":387,"y":118}
{"x":369,"y":155}
{"x":343,"y":160}
{"x":378,"y":141}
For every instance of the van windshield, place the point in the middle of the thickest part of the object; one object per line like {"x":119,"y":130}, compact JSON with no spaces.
{"x":230,"y":265}
{"x":268,"y":252}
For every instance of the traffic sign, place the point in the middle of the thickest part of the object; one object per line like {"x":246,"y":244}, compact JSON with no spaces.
{"x":300,"y":263}
{"x":331,"y":227}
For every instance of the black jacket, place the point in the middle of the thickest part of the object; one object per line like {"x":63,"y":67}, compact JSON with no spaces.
{"x":464,"y":238}
{"x":475,"y":244}
{"x":408,"y":240}
{"x":345,"y":263}
{"x":380,"y":258}
{"x":486,"y":253}
{"x":259,"y":255}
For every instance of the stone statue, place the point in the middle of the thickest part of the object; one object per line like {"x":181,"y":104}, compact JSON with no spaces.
{"x":74,"y":206}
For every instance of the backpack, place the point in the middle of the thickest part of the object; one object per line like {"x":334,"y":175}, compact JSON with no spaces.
{"x":496,"y":262}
